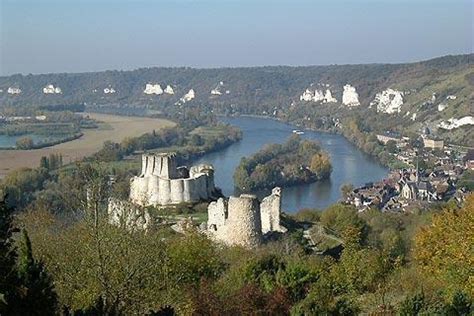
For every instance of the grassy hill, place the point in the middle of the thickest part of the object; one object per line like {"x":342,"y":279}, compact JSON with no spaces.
{"x":260,"y":90}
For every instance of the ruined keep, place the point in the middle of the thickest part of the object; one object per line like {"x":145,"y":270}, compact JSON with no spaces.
{"x":243,"y":220}
{"x":161,"y":182}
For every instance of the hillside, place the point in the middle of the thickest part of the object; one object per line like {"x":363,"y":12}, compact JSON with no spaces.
{"x":408,"y":107}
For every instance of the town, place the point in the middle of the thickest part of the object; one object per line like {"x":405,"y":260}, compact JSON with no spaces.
{"x":431,"y":172}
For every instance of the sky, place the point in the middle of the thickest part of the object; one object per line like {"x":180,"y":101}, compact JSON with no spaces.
{"x":45,"y":36}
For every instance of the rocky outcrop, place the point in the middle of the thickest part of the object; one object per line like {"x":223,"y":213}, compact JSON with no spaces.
{"x":217,"y":90}
{"x":442,"y":107}
{"x":318,"y":96}
{"x":453,"y":123}
{"x":109,"y":90}
{"x":162,"y":183}
{"x":169,"y":90}
{"x":188,"y":96}
{"x":153,"y":89}
{"x":350,"y":97}
{"x":128,"y":216}
{"x":51,"y":89}
{"x":243,"y":221}
{"x":12,"y":90}
{"x":389,"y":101}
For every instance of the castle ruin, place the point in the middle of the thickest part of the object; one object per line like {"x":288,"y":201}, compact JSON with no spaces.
{"x":243,"y":221}
{"x":161,"y":182}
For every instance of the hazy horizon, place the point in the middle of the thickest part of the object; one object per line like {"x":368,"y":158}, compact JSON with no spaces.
{"x":87,"y":36}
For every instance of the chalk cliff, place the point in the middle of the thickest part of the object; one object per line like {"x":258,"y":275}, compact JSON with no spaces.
{"x":153,"y":89}
{"x":350,"y":97}
{"x":388,"y":101}
{"x":51,"y":89}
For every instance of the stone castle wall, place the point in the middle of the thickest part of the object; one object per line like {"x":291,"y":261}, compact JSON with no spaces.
{"x":243,"y":220}
{"x":160,"y":183}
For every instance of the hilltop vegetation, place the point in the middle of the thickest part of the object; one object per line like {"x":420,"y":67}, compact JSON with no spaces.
{"x":387,"y":265}
{"x":272,"y":91}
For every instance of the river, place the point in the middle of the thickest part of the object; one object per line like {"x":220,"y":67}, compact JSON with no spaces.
{"x":350,"y":165}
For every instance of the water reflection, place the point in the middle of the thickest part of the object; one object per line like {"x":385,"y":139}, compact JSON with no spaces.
{"x":349,"y":164}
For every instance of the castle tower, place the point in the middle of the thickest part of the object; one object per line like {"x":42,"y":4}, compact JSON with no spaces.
{"x":165,"y":166}
{"x":243,"y":224}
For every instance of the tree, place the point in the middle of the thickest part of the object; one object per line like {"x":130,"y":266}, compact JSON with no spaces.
{"x":37,"y":292}
{"x":321,"y":164}
{"x":391,"y":146}
{"x":344,"y":219}
{"x":346,"y":189}
{"x":44,"y":162}
{"x":24,"y":143}
{"x":8,"y":276}
{"x":443,"y":249}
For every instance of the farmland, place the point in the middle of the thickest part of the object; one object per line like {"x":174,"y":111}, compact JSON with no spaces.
{"x":112,"y":127}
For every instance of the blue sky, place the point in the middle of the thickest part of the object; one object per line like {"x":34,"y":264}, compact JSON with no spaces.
{"x":76,"y":36}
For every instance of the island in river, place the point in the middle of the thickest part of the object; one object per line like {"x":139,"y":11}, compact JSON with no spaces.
{"x":297,"y":161}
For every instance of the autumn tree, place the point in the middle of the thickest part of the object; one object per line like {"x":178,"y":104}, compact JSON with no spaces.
{"x":444,"y":248}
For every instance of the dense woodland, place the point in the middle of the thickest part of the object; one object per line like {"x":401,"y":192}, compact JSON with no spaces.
{"x":296,"y":161}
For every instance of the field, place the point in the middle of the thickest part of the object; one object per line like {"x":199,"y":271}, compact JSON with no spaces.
{"x":114,"y":128}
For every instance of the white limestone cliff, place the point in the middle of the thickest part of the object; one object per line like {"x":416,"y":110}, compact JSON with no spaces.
{"x":389,"y":101}
{"x":318,"y":96}
{"x":109,"y":90}
{"x":306,"y":96}
{"x":188,"y":96}
{"x":12,"y":90}
{"x":350,"y":97}
{"x":153,"y":89}
{"x":51,"y":89}
{"x":328,"y":98}
{"x":453,"y":123}
{"x":442,"y":107}
{"x":169,"y":90}
{"x":217,"y":89}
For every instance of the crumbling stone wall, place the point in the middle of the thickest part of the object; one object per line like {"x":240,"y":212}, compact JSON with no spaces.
{"x":126,"y":215}
{"x":243,"y":220}
{"x":270,"y":209}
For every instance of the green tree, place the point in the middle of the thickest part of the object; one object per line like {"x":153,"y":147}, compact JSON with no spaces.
{"x":8,"y":275}
{"x":24,"y":143}
{"x":341,"y":219}
{"x":38,"y":296}
{"x":391,"y":146}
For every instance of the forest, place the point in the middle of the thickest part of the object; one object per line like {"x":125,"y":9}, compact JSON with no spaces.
{"x":294,"y":162}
